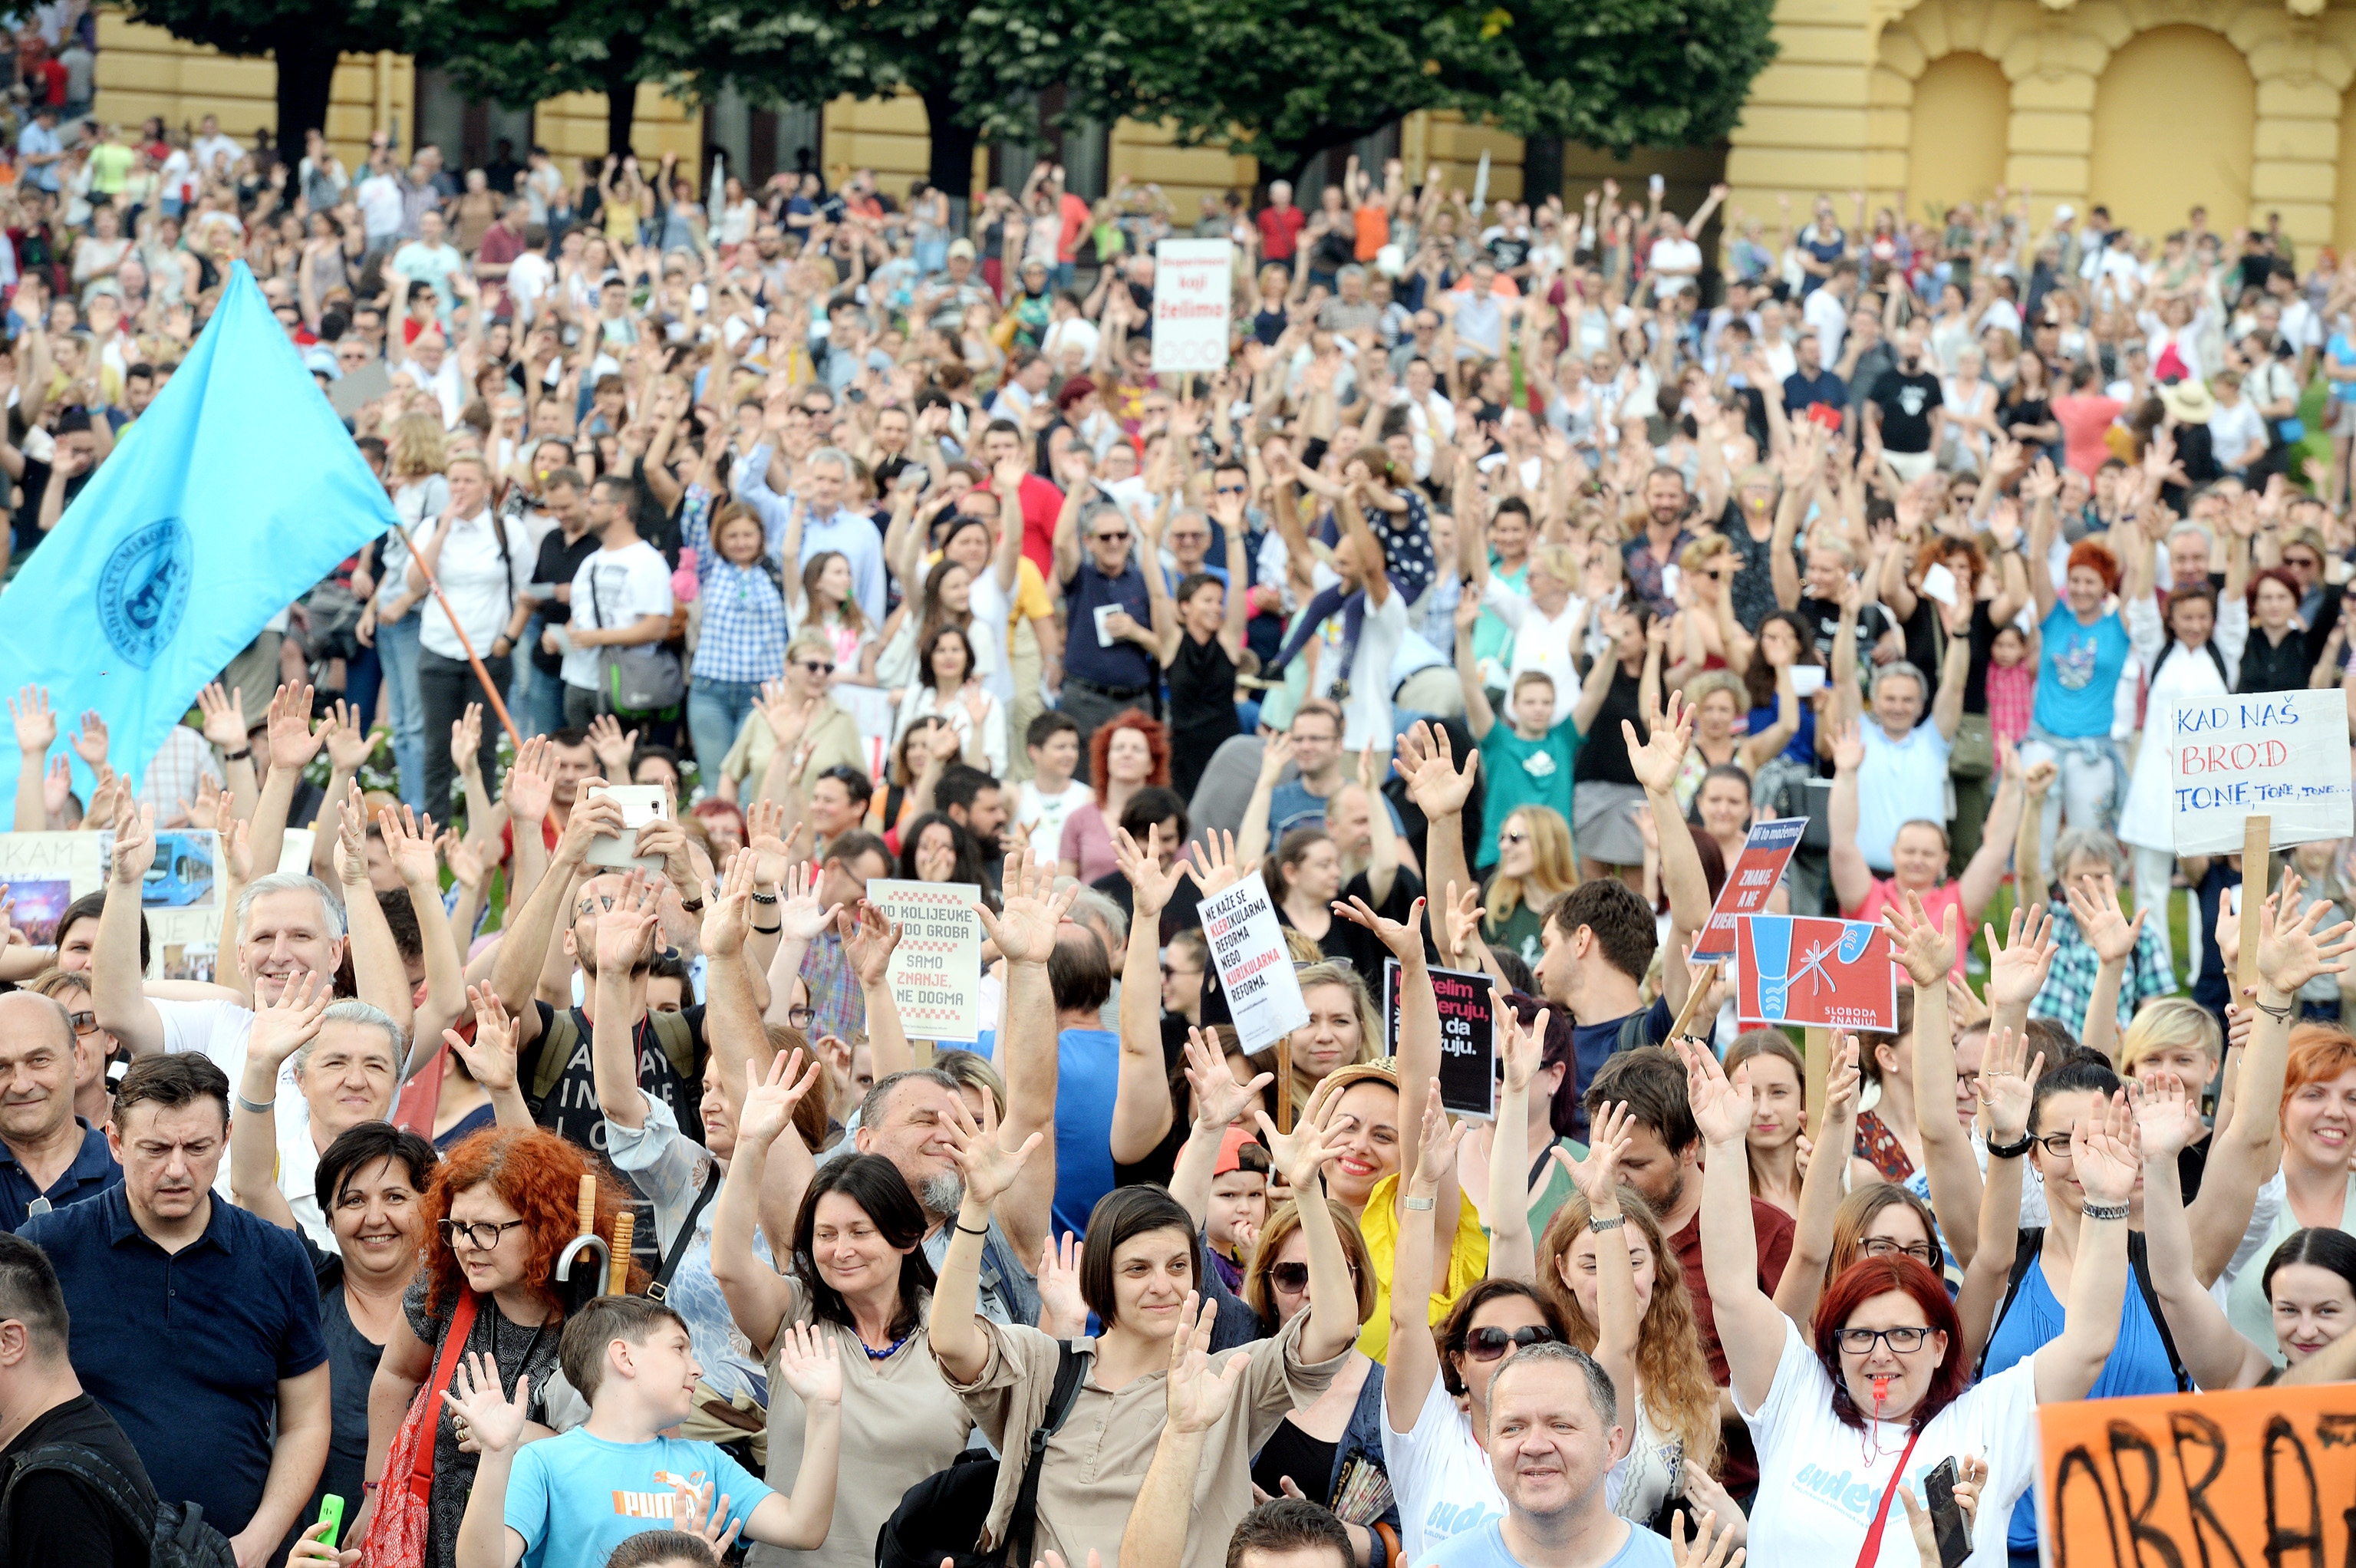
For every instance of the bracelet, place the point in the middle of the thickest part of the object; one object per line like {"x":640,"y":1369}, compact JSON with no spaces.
{"x":256,"y":1107}
{"x":2281,"y":1015}
{"x":765,"y":898}
{"x":2106,"y":1211}
{"x":1422,"y":1205}
{"x":242,"y":754}
{"x":370,"y":1485}
{"x":1601,"y":1222}
{"x":692,"y":906}
{"x":964,"y":1231}
{"x":768,"y":929}
{"x":2011,"y":1150}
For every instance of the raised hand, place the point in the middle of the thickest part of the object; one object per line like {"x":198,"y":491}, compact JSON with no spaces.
{"x":490,"y":1056}
{"x":987,"y":1168}
{"x":293,"y":741}
{"x":810,"y":1363}
{"x":494,"y":1422}
{"x":626,"y":931}
{"x":466,"y":867}
{"x":1520,"y":1048}
{"x":1848,"y":746}
{"x":1199,"y":1395}
{"x":612,"y":746}
{"x":90,"y":741}
{"x":531,"y":783}
{"x":466,"y":738}
{"x":1460,"y":919}
{"x":1928,"y":951}
{"x":2017,"y":966}
{"x":771,"y":1094}
{"x":1721,"y":1106}
{"x":2007,"y":1087}
{"x":224,"y":713}
{"x":1059,"y":1280}
{"x":2167,"y":1116}
{"x":870,"y":944}
{"x":2292,"y":952}
{"x":1302,"y":1153}
{"x":37,"y":723}
{"x":293,"y":1022}
{"x":349,"y":742}
{"x":1151,"y":886}
{"x":1217,"y":867}
{"x":799,"y":916}
{"x":1438,"y":1141}
{"x":1597,"y":1175}
{"x":1426,"y":765}
{"x":1842,"y":1076}
{"x":1220,"y":1101}
{"x":410,"y":847}
{"x":1024,"y":929}
{"x":1708,"y":1549}
{"x":1405,"y":939}
{"x":134,"y":842}
{"x":694,"y":1511}
{"x":2107,"y":1151}
{"x":2094,"y":903}
{"x":1657,"y":760}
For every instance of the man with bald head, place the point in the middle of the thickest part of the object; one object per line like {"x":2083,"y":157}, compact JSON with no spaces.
{"x":50,"y":1158}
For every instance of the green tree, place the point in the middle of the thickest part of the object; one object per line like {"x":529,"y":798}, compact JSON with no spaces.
{"x":1284,"y":81}
{"x":305,"y":36}
{"x":521,"y":51}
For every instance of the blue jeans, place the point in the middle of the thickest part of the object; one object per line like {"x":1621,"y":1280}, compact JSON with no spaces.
{"x":404,"y":709}
{"x":716,"y":710}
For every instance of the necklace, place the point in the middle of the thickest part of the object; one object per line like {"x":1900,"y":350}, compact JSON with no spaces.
{"x":888,"y":1351}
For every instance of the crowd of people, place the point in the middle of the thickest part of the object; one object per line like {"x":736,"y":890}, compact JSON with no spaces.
{"x":1517,"y":564}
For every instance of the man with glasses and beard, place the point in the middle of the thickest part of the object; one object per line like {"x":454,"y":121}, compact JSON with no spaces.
{"x":1109,"y":666}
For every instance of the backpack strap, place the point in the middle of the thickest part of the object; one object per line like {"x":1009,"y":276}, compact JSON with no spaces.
{"x":2025,"y":1245}
{"x":137,"y":1504}
{"x":556,"y":1045}
{"x":677,"y":1038}
{"x":2139,"y":1265}
{"x":1071,"y":1367}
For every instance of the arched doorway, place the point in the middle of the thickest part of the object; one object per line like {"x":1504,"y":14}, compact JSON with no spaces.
{"x":1961,"y":124}
{"x":2175,"y":116}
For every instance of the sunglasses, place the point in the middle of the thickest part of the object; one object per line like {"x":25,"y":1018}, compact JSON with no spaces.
{"x":1510,"y":838}
{"x":1120,"y":537}
{"x":815,"y":667}
{"x":1292,"y":1279}
{"x":1489,"y":1344}
{"x":1230,"y":490}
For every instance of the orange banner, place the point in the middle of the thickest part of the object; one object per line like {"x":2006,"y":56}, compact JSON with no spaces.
{"x":2214,"y":1480}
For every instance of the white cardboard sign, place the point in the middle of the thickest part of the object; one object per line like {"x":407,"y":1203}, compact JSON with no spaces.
{"x":936,"y":972}
{"x":2281,"y":754}
{"x":1194,"y":289}
{"x":1255,"y":965}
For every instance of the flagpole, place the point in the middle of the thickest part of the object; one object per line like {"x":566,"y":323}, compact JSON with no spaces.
{"x":481,"y":674}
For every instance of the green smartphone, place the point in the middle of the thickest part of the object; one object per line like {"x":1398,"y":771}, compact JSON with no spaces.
{"x":331,"y":1514}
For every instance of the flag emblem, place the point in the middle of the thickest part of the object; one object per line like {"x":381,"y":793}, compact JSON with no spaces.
{"x":143,"y":589}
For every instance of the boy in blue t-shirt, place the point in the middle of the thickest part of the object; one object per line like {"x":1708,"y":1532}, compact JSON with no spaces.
{"x":573,"y":1497}
{"x":1526,"y":759}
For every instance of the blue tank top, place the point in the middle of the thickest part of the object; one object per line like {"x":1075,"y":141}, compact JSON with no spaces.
{"x":2137,"y":1365}
{"x":1802,"y":747}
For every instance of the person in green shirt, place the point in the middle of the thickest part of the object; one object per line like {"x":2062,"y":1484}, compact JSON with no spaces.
{"x":110,"y":163}
{"x":1528,"y":764}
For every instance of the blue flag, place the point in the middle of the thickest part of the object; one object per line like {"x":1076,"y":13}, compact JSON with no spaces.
{"x":231,"y":496}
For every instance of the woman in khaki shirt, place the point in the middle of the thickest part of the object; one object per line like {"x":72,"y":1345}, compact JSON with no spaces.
{"x":859,"y":1275}
{"x":1140,"y":1276}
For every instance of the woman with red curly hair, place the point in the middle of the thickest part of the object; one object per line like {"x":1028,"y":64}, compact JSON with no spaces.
{"x":1881,"y":1390}
{"x":501,"y":1208}
{"x":1128,"y":752}
{"x":2084,"y":649}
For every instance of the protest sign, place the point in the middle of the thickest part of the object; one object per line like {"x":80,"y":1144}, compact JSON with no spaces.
{"x":1193,"y":287}
{"x":2282,"y":755}
{"x":2251,"y":1476}
{"x":1255,"y":966}
{"x":1468,"y":1037}
{"x":1832,"y":974}
{"x":936,"y":972}
{"x":1749,"y":882}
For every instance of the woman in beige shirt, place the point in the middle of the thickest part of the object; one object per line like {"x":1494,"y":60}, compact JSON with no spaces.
{"x":1140,"y":1276}
{"x":858,"y":1274}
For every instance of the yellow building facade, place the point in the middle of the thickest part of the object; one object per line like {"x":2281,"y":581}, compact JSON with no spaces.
{"x":2148,"y":106}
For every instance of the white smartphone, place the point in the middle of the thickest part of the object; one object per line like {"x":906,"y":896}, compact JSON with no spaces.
{"x":1672,"y":578}
{"x":1808,"y":679}
{"x":640,"y":803}
{"x":1940,"y":583}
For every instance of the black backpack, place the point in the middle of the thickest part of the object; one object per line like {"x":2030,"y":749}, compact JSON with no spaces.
{"x":940,"y":1517}
{"x":2031,"y":1240}
{"x":176,"y":1533}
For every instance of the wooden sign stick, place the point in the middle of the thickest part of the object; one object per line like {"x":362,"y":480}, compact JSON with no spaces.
{"x":2255,"y":833}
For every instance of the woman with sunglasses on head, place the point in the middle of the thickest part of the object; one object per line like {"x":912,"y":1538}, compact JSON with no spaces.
{"x":498,"y":1214}
{"x":1884,"y":1391}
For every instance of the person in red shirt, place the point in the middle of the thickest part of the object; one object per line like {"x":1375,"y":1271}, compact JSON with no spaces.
{"x":1279,"y":226}
{"x":1076,"y":217}
{"x":1002,"y":443}
{"x":502,"y":242}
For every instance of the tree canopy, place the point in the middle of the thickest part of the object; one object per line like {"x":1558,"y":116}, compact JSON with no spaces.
{"x":304,"y":36}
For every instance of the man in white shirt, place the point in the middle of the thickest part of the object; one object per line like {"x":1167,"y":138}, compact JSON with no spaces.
{"x":827,"y":524}
{"x":378,"y":198}
{"x":1675,"y":261}
{"x":210,"y":143}
{"x":1827,"y":308}
{"x":621,"y":598}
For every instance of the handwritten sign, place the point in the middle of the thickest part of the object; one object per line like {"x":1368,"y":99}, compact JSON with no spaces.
{"x":936,"y":972}
{"x":1828,"y":973}
{"x":2279,"y":754}
{"x":2254,"y":1476}
{"x":1468,"y":1037}
{"x":1254,"y":964}
{"x":46,"y":871}
{"x":1194,"y":288}
{"x":1749,"y":882}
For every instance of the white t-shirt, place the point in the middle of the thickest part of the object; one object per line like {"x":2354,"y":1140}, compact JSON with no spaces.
{"x":1442,"y":1478}
{"x":614,"y":588}
{"x":1820,"y":1482}
{"x":1828,"y":314}
{"x":1367,"y":713}
{"x":1680,"y":253}
{"x":1539,"y":642}
{"x":528,"y":276}
{"x":1041,"y":815}
{"x":220,"y":1030}
{"x":378,"y":198}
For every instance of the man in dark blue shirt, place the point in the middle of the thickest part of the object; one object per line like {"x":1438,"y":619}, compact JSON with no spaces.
{"x":50,"y":1158}
{"x":1811,"y":385}
{"x":1108,"y":664}
{"x":196,"y":1324}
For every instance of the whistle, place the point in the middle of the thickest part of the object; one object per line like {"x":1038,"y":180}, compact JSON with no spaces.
{"x":1880,"y":1390}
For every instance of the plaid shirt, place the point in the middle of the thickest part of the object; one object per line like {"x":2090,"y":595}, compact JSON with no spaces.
{"x":836,"y":1003}
{"x":743,"y":637}
{"x":2069,"y":984}
{"x":2011,"y":699}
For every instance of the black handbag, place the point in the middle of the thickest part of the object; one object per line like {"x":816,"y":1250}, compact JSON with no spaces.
{"x":941,"y":1517}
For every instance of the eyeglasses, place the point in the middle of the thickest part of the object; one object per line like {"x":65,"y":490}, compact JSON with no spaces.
{"x":1488,"y":1344}
{"x":1923,"y":1252}
{"x":1510,"y":836}
{"x":1230,"y":489}
{"x":815,"y":667}
{"x":1167,"y":974}
{"x":1292,"y":1279}
{"x":1120,"y":537}
{"x":1901,"y":1341}
{"x":84,"y":1024}
{"x":801,"y":1017}
{"x":2056,"y":1143}
{"x":482,"y":1235}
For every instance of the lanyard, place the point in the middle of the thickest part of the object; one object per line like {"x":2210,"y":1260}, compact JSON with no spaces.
{"x":1871,"y":1551}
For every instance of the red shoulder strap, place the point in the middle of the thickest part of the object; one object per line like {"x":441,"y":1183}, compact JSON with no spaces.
{"x":1871,"y":1551}
{"x":453,"y":1345}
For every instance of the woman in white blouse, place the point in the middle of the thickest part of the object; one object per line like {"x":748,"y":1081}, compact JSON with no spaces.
{"x":949,"y":687}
